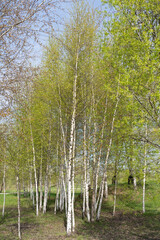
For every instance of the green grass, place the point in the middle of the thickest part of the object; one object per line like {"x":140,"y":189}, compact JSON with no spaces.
{"x":130,"y":200}
{"x":129,"y":222}
{"x":11,"y":200}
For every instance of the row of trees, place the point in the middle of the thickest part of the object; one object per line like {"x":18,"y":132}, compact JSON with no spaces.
{"x":91,"y":109}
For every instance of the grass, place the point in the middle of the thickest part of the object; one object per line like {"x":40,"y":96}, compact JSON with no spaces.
{"x":129,"y":222}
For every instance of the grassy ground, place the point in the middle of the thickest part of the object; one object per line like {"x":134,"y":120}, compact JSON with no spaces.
{"x":129,"y":222}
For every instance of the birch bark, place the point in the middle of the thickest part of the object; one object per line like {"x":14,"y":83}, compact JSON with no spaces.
{"x":45,"y":190}
{"x":71,"y":146}
{"x":135,"y":183}
{"x":65,"y":180}
{"x":86,"y":177}
{"x":115,"y":197}
{"x":31,"y":187}
{"x":107,"y":155}
{"x":105,"y":186}
{"x":99,"y":158}
{"x":47,"y":173}
{"x":4,"y":189}
{"x":34,"y":167}
{"x":94,"y":176}
{"x":40,"y":180}
{"x":73,"y":188}
{"x":144,"y":171}
{"x":19,"y":209}
{"x":56,"y":206}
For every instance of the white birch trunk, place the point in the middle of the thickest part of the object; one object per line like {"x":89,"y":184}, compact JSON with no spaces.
{"x":45,"y":191}
{"x":61,"y":197}
{"x":30,"y":183}
{"x":86,"y":178}
{"x":105,"y":187}
{"x":87,"y":194}
{"x":63,"y":135}
{"x":61,"y":200}
{"x":24,"y":187}
{"x":4,"y":190}
{"x":144,"y":173}
{"x":99,"y":158}
{"x":46,"y":184}
{"x":135,"y":183}
{"x":31,"y":188}
{"x":84,"y":197}
{"x":49,"y":186}
{"x":35,"y":172}
{"x":56,"y":200}
{"x":115,"y":197}
{"x":144,"y":182}
{"x":82,"y":182}
{"x":93,"y":205}
{"x":100,"y":201}
{"x":73,"y":188}
{"x":107,"y":156}
{"x":65,"y":156}
{"x":65,"y":196}
{"x":19,"y":210}
{"x":85,"y":173}
{"x":28,"y":188}
{"x":99,"y":194}
{"x":33,"y":199}
{"x":40,"y":183}
{"x":71,"y":146}
{"x":69,"y":209}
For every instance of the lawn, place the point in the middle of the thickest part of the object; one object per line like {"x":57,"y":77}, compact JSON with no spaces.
{"x":129,"y":222}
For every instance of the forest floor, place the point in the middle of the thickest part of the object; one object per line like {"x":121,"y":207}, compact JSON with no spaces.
{"x":128,"y":224}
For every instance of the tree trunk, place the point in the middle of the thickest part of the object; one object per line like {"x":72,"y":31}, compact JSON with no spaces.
{"x":135,"y":183}
{"x":94,"y":175}
{"x":56,"y":206}
{"x":144,"y":172}
{"x":84,"y":196}
{"x":24,"y":188}
{"x":99,"y":194}
{"x":115,"y":197}
{"x":19,"y":208}
{"x":64,"y":181}
{"x":71,"y":148}
{"x":31,"y":187}
{"x":105,"y":187}
{"x":40,"y":184}
{"x":65,"y":195}
{"x":100,"y":200}
{"x":86,"y":180}
{"x":4,"y":189}
{"x":73,"y":188}
{"x":35,"y":172}
{"x":69,"y":209}
{"x":45,"y":191}
{"x":87,"y":192}
{"x":61,"y":198}
{"x":107,"y":156}
{"x":99,"y":159}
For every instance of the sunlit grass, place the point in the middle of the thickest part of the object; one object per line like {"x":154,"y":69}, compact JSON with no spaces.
{"x":129,"y":202}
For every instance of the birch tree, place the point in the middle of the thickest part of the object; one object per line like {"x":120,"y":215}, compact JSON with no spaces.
{"x":144,"y":170}
{"x":136,"y":23}
{"x":4,"y":189}
{"x":20,"y":31}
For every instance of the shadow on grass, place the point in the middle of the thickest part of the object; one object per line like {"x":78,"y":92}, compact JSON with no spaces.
{"x":123,"y":226}
{"x":129,"y":224}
